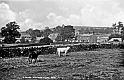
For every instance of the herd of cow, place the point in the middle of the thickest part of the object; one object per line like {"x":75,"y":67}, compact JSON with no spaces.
{"x":33,"y":52}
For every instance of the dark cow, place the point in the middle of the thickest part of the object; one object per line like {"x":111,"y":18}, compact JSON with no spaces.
{"x":33,"y":55}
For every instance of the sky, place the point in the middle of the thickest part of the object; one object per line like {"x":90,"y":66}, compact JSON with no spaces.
{"x":38,"y":14}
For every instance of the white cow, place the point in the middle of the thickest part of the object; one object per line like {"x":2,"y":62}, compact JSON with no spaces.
{"x":64,"y":50}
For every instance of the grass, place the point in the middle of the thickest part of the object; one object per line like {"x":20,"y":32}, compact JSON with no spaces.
{"x":87,"y":65}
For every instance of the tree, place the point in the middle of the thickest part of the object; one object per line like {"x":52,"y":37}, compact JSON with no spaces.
{"x":59,"y":38}
{"x":117,"y":26}
{"x":30,"y":31}
{"x":114,"y":26}
{"x":37,"y":33}
{"x":47,"y":32}
{"x":67,"y":33}
{"x":34,"y":33}
{"x":46,"y":40}
{"x":122,"y":33}
{"x":57,"y":29}
{"x":10,"y":32}
{"x":120,"y":25}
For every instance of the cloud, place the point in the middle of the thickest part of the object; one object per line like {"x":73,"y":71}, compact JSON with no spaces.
{"x":23,"y":18}
{"x":26,"y":21}
{"x":42,"y":13}
{"x":55,"y":20}
{"x":51,"y":16}
{"x":29,"y":23}
{"x":90,"y":13}
{"x":74,"y":19}
{"x":21,"y":0}
{"x":6,"y":14}
{"x":101,"y":13}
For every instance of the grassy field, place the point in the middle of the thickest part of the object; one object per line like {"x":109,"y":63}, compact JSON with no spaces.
{"x":104,"y":64}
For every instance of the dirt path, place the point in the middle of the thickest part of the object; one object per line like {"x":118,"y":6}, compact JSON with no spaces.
{"x":87,"y":65}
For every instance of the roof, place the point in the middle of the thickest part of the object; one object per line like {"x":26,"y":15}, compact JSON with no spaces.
{"x":53,"y":36}
{"x":119,"y":39}
{"x":25,"y":34}
{"x":85,"y":34}
{"x":38,"y":38}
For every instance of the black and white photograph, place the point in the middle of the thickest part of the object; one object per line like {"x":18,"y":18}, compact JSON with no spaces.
{"x":61,"y":40}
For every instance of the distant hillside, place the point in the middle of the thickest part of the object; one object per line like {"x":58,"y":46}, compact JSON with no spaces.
{"x":88,"y":29}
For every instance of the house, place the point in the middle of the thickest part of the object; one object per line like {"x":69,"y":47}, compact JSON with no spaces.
{"x":93,"y":38}
{"x":83,"y":37}
{"x":115,"y":39}
{"x":24,"y":35}
{"x":103,"y":38}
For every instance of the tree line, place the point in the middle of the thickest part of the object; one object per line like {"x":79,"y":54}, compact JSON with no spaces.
{"x":10,"y":33}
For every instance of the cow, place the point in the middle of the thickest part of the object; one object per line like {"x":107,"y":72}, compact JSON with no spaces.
{"x":33,"y":56}
{"x":63,"y":49}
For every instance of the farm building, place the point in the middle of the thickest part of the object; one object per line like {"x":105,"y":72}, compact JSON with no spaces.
{"x":24,"y":35}
{"x":115,"y":39}
{"x":103,"y":38}
{"x":83,"y":37}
